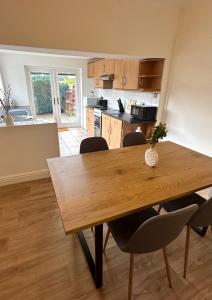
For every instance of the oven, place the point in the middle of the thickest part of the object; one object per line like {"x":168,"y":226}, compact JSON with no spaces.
{"x":97,"y":122}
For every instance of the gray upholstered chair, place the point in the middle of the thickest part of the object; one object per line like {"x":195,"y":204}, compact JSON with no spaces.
{"x":183,"y":202}
{"x":202,"y":217}
{"x":130,"y":139}
{"x":147,"y":231}
{"x":93,"y":144}
{"x":133,"y":139}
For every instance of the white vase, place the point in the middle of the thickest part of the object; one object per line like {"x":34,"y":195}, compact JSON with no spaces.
{"x":9,"y":119}
{"x":151,"y":157}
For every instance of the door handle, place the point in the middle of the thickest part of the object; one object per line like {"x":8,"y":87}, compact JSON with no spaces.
{"x":58,"y":100}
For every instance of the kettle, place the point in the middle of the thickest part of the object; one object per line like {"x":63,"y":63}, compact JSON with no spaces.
{"x":121,"y":107}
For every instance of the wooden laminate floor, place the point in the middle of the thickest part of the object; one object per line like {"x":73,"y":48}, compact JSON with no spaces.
{"x":38,"y":262}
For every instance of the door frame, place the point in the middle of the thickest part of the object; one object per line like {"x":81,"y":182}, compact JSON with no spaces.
{"x":55,"y":92}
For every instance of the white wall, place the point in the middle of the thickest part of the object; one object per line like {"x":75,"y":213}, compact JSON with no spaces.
{"x":24,"y":150}
{"x":189,"y":111}
{"x":13,"y":72}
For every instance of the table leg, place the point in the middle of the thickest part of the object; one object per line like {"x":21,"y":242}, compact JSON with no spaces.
{"x":96,"y":268}
{"x":98,"y":255}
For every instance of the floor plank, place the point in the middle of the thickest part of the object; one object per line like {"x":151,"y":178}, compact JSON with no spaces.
{"x":38,"y":262}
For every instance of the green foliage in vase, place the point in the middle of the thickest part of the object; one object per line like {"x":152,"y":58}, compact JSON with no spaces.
{"x":159,"y":132}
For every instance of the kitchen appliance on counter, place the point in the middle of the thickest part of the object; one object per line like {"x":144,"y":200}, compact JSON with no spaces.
{"x":121,"y":107}
{"x":96,"y":102}
{"x":102,"y":102}
{"x":144,"y":112}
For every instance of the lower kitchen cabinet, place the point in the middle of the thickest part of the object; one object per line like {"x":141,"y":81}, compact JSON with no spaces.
{"x":90,"y":120}
{"x":115,"y":133}
{"x":113,"y":130}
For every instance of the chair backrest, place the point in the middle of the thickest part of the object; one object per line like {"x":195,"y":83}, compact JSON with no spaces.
{"x":93,"y":144}
{"x":133,"y":139}
{"x":159,"y":231}
{"x":203,"y":216}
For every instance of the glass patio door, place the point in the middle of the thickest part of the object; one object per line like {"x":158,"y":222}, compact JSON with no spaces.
{"x":67,"y":99}
{"x":54,"y":96}
{"x":43,"y":95}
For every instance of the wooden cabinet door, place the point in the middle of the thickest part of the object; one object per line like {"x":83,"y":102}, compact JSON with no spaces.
{"x":106,"y":128}
{"x":118,"y":82}
{"x":98,"y":83}
{"x":90,"y":70}
{"x":99,"y":67}
{"x":99,"y":70}
{"x":108,"y":66}
{"x":115,"y":133}
{"x":131,"y":73}
{"x":90,"y":121}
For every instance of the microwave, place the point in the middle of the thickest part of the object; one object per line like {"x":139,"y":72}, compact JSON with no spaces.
{"x":144,"y":113}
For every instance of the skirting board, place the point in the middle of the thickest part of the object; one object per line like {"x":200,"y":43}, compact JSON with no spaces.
{"x":17,"y":178}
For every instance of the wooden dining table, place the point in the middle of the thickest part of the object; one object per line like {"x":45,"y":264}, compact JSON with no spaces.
{"x":94,"y":188}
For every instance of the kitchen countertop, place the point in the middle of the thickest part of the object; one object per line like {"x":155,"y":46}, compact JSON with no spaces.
{"x":125,"y":117}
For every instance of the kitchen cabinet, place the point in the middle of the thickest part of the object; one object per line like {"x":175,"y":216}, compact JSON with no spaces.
{"x":126,"y":74}
{"x":102,"y":67}
{"x":90,"y":70}
{"x":118,"y":82}
{"x":112,"y":131}
{"x":90,"y":120}
{"x":98,"y":69}
{"x":150,"y":74}
{"x":108,"y":66}
{"x":106,"y":128}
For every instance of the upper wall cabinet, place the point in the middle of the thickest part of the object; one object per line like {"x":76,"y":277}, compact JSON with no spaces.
{"x":150,"y":74}
{"x":90,"y":70}
{"x":108,"y":66}
{"x":144,"y":75}
{"x":126,"y":74}
{"x":102,"y":67}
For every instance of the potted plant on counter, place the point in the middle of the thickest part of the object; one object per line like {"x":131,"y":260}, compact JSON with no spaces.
{"x":151,"y":155}
{"x":7,"y":103}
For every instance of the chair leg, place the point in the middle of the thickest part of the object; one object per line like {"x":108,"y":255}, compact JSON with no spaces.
{"x":159,"y":208}
{"x":186,"y":251}
{"x":131,"y":276}
{"x":167,"y":267}
{"x":106,"y":239}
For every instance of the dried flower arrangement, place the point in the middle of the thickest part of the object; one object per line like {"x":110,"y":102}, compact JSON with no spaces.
{"x":7,"y":102}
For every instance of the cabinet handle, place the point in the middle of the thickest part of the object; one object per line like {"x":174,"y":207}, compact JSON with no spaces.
{"x":125,"y":81}
{"x":122,"y":82}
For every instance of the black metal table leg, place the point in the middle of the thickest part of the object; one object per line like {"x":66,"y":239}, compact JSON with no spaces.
{"x":98,"y":255}
{"x":96,"y":267}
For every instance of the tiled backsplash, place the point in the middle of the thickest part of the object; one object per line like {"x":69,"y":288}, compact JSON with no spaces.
{"x":113,"y":95}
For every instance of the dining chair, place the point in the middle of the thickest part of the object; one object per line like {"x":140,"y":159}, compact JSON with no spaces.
{"x":183,"y":202}
{"x":133,"y":139}
{"x":202,"y":218}
{"x":93,"y":144}
{"x":147,"y":231}
{"x":130,"y":139}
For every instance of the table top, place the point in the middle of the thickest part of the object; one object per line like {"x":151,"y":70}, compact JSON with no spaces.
{"x":97,"y":187}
